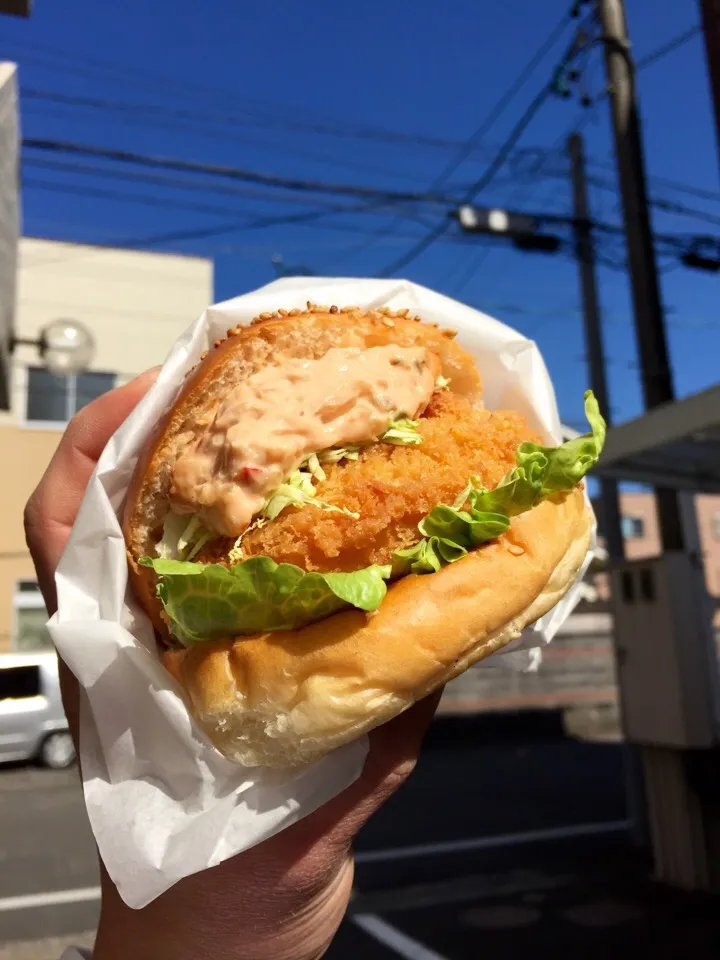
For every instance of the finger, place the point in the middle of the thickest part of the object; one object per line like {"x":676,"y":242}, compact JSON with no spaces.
{"x":52,"y":508}
{"x":67,"y":475}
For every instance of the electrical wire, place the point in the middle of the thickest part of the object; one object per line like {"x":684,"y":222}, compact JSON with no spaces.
{"x":674,"y":242}
{"x":154,"y":201}
{"x":324,"y":126}
{"x":173,"y":182}
{"x":653,"y":57}
{"x":69,"y":61}
{"x":138,"y":114}
{"x":670,"y":206}
{"x":490,"y":172}
{"x":226,"y":172}
{"x":482,"y":131}
{"x":675,"y":43}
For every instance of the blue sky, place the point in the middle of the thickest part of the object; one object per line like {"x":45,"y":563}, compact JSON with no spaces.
{"x":252,"y":85}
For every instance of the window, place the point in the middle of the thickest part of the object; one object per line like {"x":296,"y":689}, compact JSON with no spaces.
{"x":19,"y":682}
{"x":56,"y":399}
{"x":28,"y":586}
{"x":633,"y":528}
{"x":30,"y":632}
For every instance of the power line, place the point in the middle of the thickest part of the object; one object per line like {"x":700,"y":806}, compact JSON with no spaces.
{"x":231,"y":173}
{"x":674,"y":241}
{"x":473,"y":142}
{"x":653,"y":57}
{"x":670,"y":206}
{"x":145,"y":115}
{"x":502,"y":104}
{"x":154,"y":200}
{"x":173,"y":182}
{"x":340,"y":129}
{"x":252,"y":222}
{"x":55,"y":186}
{"x":680,"y":40}
{"x":490,"y":172}
{"x":329,"y":127}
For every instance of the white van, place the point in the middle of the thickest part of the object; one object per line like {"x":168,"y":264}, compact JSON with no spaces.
{"x":32,"y":722}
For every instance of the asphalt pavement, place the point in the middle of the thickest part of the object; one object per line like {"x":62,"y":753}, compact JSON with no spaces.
{"x":492,"y":798}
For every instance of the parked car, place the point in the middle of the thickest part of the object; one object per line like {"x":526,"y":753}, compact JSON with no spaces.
{"x":32,"y":722}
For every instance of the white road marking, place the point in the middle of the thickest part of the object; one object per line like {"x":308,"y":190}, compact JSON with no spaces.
{"x":399,"y":942}
{"x":492,"y":842}
{"x":50,"y":899}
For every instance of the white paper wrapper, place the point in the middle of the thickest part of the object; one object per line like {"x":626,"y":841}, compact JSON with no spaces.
{"x":162,"y":802}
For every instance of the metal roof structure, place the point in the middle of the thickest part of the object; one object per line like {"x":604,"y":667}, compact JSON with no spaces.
{"x":676,"y":445}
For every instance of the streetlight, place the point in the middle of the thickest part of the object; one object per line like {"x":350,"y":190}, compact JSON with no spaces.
{"x":66,"y":347}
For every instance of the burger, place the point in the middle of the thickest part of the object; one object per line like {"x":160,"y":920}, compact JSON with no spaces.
{"x":328,"y":525}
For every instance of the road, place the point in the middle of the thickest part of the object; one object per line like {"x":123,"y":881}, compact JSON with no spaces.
{"x":476,"y":779}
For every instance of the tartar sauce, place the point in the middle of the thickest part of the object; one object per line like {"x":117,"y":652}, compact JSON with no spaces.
{"x":272,"y":421}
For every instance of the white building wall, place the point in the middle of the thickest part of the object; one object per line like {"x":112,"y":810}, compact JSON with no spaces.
{"x":135,"y":303}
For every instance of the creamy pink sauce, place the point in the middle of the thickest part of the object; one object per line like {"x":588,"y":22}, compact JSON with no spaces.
{"x":271,"y":422}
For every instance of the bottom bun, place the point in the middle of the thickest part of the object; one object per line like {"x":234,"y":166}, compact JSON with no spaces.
{"x":284,"y":699}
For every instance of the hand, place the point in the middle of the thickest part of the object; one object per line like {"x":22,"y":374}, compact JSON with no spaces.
{"x":282,"y":900}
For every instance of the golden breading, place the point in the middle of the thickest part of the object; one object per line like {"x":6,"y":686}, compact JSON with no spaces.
{"x":391,"y":488}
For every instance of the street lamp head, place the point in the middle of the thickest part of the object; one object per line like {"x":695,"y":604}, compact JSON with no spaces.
{"x":67,"y":347}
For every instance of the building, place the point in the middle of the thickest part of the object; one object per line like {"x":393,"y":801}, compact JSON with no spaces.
{"x":642,"y":535}
{"x":136,"y":304}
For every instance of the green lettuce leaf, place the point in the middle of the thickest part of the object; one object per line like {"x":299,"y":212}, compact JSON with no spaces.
{"x":427,"y":556}
{"x":448,"y":535}
{"x":463,"y":528}
{"x":543,"y":471}
{"x":449,"y":532}
{"x":206,"y":601}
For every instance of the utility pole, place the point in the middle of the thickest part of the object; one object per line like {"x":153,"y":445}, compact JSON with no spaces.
{"x":585,"y":255}
{"x":649,"y":320}
{"x":710,"y":13}
{"x":9,"y":222}
{"x":609,"y":496}
{"x":663,"y":657}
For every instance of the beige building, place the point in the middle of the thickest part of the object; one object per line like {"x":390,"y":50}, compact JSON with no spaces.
{"x":136,"y":304}
{"x":642,"y":536}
